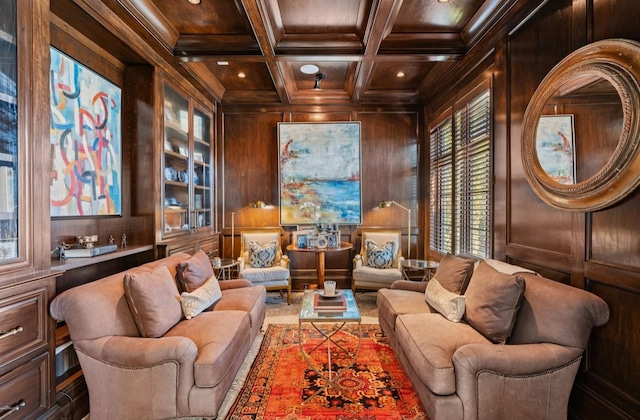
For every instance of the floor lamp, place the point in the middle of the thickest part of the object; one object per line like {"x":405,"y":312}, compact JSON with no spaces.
{"x":388,"y":203}
{"x":254,"y":205}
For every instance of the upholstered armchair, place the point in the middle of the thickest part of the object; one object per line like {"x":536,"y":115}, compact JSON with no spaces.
{"x":262,"y":261}
{"x":378,"y":263}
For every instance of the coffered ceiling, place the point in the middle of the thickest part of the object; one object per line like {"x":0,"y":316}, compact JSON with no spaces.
{"x":369,"y":51}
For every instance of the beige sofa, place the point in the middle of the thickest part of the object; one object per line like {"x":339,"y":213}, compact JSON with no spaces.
{"x":186,"y":372}
{"x":461,"y":373}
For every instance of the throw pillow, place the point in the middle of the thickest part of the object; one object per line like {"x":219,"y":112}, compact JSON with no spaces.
{"x":153,"y":300}
{"x":449,"y":304}
{"x":193,"y":272}
{"x":492,"y":302}
{"x":262,"y":256}
{"x":200,"y":299}
{"x":454,"y":273}
{"x":379,"y":257}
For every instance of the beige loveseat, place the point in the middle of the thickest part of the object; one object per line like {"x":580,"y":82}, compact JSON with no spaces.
{"x":523,"y":363}
{"x":185,"y":372}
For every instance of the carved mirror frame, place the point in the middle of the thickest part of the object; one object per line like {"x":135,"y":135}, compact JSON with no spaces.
{"x":618,"y":62}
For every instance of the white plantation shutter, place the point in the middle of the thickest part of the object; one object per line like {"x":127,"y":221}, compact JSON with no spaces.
{"x":460,"y":201}
{"x":441,"y":183}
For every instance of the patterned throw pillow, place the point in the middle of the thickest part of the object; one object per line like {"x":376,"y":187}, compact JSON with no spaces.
{"x":262,"y":256}
{"x":379,"y":257}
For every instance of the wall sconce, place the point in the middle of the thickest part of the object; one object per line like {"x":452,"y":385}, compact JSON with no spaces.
{"x":254,"y":205}
{"x":319,"y":77}
{"x":388,"y":203}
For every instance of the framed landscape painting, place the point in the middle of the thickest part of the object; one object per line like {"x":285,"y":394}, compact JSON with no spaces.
{"x":319,"y":173}
{"x":555,"y":147}
{"x":85,"y":139}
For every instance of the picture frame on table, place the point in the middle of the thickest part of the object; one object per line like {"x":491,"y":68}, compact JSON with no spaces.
{"x":334,"y":239}
{"x":300,"y":239}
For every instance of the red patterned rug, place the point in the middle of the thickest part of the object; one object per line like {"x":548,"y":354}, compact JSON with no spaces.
{"x":282,"y":385}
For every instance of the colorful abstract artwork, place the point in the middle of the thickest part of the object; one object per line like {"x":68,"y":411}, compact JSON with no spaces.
{"x":85,"y":141}
{"x":319,"y":173}
{"x":555,"y":147}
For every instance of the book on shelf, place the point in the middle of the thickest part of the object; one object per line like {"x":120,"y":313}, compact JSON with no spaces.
{"x":89,"y":252}
{"x":329,"y":304}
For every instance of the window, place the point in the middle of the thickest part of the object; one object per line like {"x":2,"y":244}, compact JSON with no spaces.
{"x":460,"y":178}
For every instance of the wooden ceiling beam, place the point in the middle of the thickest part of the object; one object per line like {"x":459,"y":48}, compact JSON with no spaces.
{"x":210,"y":44}
{"x":384,"y":13}
{"x":258,"y":20}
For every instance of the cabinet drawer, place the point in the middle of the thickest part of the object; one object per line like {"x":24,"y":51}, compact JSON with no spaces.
{"x":209,"y":246}
{"x":24,"y":390}
{"x":23,"y":323}
{"x":189,"y":248}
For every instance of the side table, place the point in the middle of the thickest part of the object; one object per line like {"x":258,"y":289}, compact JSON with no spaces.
{"x":320,"y":252}
{"x":424,"y":267}
{"x":224,"y":269}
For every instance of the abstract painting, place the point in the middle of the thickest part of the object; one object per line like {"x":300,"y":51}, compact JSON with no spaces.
{"x":555,"y":147}
{"x":319,"y":173}
{"x":85,"y":141}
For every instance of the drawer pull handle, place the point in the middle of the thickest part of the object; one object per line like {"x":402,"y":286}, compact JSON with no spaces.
{"x":9,"y":334}
{"x":12,"y":409}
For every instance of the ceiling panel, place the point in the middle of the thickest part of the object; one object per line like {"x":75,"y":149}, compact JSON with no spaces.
{"x":385,"y":75}
{"x":320,"y":17}
{"x":420,"y":16}
{"x":257,"y":76}
{"x":219,"y":17}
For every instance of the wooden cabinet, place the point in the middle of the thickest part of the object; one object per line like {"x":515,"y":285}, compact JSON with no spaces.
{"x":185,"y":221}
{"x":207,"y":242}
{"x":187,"y":177}
{"x":26,"y":351}
{"x":26,"y":282}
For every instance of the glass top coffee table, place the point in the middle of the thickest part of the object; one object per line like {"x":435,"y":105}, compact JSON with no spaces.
{"x":328,"y":324}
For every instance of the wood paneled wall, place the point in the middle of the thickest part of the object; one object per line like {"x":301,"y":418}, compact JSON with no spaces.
{"x":248,"y":159}
{"x":599,"y":251}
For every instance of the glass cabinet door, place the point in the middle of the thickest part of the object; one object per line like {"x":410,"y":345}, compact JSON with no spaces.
{"x":201,"y":169}
{"x":8,"y":133}
{"x":176,"y":163}
{"x":186,"y":181}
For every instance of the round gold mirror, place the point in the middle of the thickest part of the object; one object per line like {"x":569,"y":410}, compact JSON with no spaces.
{"x":581,"y":130}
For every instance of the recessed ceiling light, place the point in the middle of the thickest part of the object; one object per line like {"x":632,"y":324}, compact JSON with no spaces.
{"x":443,"y":1}
{"x":198,"y":1}
{"x":400,"y":74}
{"x":223,"y":63}
{"x":242,"y":75}
{"x":309,"y":69}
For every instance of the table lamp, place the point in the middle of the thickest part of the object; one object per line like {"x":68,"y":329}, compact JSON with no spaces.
{"x":388,"y":203}
{"x":254,"y":205}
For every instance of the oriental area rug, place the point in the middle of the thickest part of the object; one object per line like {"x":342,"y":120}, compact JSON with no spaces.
{"x":284,"y":384}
